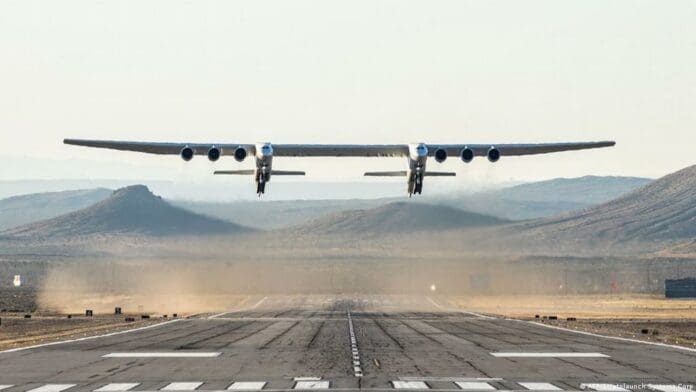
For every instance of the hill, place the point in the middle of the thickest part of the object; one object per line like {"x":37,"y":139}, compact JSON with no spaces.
{"x":663,"y":210}
{"x":130,"y":210}
{"x":20,"y":210}
{"x":398,"y":217}
{"x":546,"y":198}
{"x":270,"y":215}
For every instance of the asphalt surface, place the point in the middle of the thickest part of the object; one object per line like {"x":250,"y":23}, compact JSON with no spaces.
{"x":284,"y":343}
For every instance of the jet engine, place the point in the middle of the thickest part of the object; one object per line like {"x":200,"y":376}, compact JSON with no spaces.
{"x":493,"y":154}
{"x":214,"y":154}
{"x":440,"y":155}
{"x":467,"y":155}
{"x":187,"y":153}
{"x":240,"y":154}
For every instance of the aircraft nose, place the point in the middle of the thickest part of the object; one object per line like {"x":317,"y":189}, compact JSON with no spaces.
{"x":266,"y":150}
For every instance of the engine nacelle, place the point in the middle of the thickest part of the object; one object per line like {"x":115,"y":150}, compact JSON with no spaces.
{"x":240,"y":154}
{"x":467,"y":155}
{"x":187,"y":153}
{"x":493,"y":154}
{"x":440,"y":155}
{"x":214,"y":154}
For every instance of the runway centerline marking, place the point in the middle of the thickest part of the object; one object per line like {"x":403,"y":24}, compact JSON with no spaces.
{"x":604,"y":387}
{"x":247,"y":386}
{"x":547,"y":355}
{"x":5,"y":386}
{"x":410,"y":385}
{"x":52,"y":388}
{"x":164,"y":355}
{"x":114,"y":387}
{"x":475,"y":386}
{"x":357,"y":369}
{"x":539,"y":386}
{"x":182,"y":386}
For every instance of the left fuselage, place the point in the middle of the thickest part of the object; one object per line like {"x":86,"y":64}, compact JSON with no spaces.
{"x":417,"y":158}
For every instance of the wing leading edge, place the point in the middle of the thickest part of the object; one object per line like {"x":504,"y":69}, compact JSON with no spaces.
{"x":337,"y":150}
{"x":518,"y":149}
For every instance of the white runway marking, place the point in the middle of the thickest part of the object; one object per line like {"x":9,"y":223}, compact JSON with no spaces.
{"x":52,"y":388}
{"x":247,"y":386}
{"x":117,"y":387}
{"x":549,"y":355}
{"x":410,"y":385}
{"x":596,"y":335}
{"x":604,"y":387}
{"x":5,"y":387}
{"x":164,"y":355}
{"x":12,"y":350}
{"x":450,"y":379}
{"x":475,"y":386}
{"x":483,"y":316}
{"x":357,"y":369}
{"x":182,"y":386}
{"x":311,"y":385}
{"x":256,"y":305}
{"x":539,"y":386}
{"x":670,"y":388}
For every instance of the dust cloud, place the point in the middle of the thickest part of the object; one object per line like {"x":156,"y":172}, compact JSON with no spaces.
{"x":201,"y":276}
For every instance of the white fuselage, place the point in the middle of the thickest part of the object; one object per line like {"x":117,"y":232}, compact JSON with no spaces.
{"x":417,"y":157}
{"x":264,"y":161}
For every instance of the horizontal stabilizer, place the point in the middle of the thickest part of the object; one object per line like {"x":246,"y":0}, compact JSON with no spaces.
{"x":235,"y":172}
{"x":251,"y":171}
{"x":440,"y":174}
{"x":287,"y":173}
{"x":387,"y":174}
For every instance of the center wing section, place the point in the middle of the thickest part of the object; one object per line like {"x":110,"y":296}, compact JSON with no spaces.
{"x":340,"y":150}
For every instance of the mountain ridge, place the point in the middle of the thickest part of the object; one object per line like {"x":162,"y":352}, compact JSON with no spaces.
{"x":130,"y":210}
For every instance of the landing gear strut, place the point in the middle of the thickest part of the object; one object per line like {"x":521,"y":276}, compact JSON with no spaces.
{"x":262,"y":178}
{"x":260,"y":187}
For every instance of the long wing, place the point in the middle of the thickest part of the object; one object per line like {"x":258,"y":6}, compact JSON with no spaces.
{"x":518,"y":149}
{"x":159,"y":148}
{"x":337,"y":150}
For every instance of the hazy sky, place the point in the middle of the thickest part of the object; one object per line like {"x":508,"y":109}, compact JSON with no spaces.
{"x":347,"y":72}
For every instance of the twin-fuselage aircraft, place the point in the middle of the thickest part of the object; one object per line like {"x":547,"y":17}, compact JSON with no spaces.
{"x":263,"y":153}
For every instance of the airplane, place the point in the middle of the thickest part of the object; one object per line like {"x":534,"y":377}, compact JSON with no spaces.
{"x":263,"y":153}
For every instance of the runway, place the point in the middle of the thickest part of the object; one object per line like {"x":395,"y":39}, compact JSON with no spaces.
{"x":299,"y":343}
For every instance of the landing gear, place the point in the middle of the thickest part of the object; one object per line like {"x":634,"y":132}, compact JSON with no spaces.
{"x":418,"y":181}
{"x":262,"y":178}
{"x":260,"y":187}
{"x":415,"y":183}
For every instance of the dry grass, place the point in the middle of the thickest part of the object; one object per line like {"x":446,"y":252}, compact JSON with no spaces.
{"x":623,"y":306}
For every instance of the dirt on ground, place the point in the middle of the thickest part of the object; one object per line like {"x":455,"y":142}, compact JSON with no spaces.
{"x":677,"y":332}
{"x":17,"y":299}
{"x":18,"y":331}
{"x":617,"y":306}
{"x":643,"y":317}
